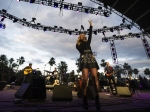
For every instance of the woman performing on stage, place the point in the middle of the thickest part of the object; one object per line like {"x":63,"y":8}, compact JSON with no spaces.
{"x":88,"y":64}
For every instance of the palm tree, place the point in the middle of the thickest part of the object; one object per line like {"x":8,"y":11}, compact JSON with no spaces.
{"x":117,"y":71}
{"x":127,"y":67}
{"x":103,"y":63}
{"x":11,"y":60}
{"x":20,"y":61}
{"x":147,"y":71}
{"x":51,"y":62}
{"x":62,"y":67}
{"x":135,"y":71}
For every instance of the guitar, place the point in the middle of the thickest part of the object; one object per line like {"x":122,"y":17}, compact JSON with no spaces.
{"x":109,"y":74}
{"x":56,"y":82}
{"x":27,"y":71}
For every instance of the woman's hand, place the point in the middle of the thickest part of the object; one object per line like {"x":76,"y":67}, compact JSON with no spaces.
{"x":90,"y":21}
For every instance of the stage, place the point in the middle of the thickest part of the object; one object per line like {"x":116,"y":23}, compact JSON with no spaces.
{"x":139,"y":102}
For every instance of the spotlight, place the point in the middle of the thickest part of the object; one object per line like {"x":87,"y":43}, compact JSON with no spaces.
{"x":99,"y":7}
{"x":3,"y":26}
{"x":38,"y":24}
{"x":111,"y":29}
{"x":95,"y":32}
{"x":55,"y":26}
{"x":4,"y":10}
{"x":80,"y":3}
{"x":55,"y":4}
{"x":103,"y":33}
{"x":123,"y":20}
{"x":105,"y":39}
{"x":24,"y":19}
{"x":76,"y":29}
{"x":2,"y":18}
{"x":32,"y":1}
{"x":15,"y":20}
{"x":70,"y":32}
{"x":86,"y":11}
{"x":114,"y":54}
{"x":66,"y":6}
{"x":18,"y":0}
{"x":138,"y":35}
{"x":122,"y":38}
{"x":77,"y":10}
{"x":129,"y":27}
{"x":106,"y":14}
{"x":44,"y":29}
{"x":33,"y":20}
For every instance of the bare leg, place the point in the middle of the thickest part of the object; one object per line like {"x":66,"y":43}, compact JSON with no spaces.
{"x":85,"y":79}
{"x":93,"y":72}
{"x":84,"y":87}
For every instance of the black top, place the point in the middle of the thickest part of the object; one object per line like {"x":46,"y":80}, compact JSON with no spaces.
{"x":85,"y":45}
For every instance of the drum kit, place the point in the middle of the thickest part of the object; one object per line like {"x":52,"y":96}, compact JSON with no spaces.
{"x":51,"y":79}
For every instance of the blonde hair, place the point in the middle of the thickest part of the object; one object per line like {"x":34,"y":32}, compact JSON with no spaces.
{"x":79,"y":39}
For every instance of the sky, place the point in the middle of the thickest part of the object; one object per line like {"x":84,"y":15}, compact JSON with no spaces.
{"x":37,"y":46}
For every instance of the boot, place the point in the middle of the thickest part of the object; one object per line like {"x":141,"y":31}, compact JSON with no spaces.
{"x":97,"y":103}
{"x":85,"y":103}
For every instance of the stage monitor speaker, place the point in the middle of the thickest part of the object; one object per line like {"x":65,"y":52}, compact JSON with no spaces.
{"x":62,"y":93}
{"x":38,"y":88}
{"x":24,"y":92}
{"x":90,"y":93}
{"x":123,"y":91}
{"x":2,"y":84}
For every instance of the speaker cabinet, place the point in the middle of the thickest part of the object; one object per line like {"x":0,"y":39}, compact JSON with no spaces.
{"x":2,"y":84}
{"x":90,"y":93}
{"x":62,"y":93}
{"x":24,"y":92}
{"x":123,"y":91}
{"x":38,"y":88}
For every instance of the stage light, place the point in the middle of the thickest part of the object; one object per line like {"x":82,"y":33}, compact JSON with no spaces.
{"x":114,"y":35}
{"x":86,"y":11}
{"x":80,"y":3}
{"x":44,"y":29}
{"x":70,"y":32}
{"x":24,"y":19}
{"x":3,"y":10}
{"x":15,"y":20}
{"x":77,"y":10}
{"x":3,"y":26}
{"x":123,"y":20}
{"x":55,"y":26}
{"x":55,"y":4}
{"x":103,"y":33}
{"x":38,"y":24}
{"x":66,"y":6}
{"x":129,"y":27}
{"x":18,"y":0}
{"x":106,"y":14}
{"x":111,"y":29}
{"x":122,"y":38}
{"x":76,"y":29}
{"x":33,"y":20}
{"x":95,"y":32}
{"x":99,"y":7}
{"x":137,"y":35}
{"x":2,"y":18}
{"x":32,"y":1}
{"x":106,"y":40}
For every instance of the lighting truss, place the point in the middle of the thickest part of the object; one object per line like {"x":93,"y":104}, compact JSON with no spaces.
{"x":60,"y":29}
{"x":121,"y":15}
{"x":146,"y":46}
{"x":122,"y":37}
{"x":74,"y":7}
{"x":113,"y":52}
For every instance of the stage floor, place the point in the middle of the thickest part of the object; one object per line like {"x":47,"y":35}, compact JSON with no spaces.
{"x":109,"y":103}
